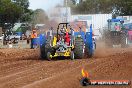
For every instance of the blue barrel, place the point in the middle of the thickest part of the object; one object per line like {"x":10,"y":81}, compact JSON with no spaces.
{"x":42,"y":39}
{"x":19,"y":33}
{"x":34,"y":42}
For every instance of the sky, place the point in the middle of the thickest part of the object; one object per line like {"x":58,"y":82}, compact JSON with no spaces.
{"x":44,"y":4}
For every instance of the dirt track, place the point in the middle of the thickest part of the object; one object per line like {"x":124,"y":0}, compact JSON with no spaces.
{"x":22,"y":68}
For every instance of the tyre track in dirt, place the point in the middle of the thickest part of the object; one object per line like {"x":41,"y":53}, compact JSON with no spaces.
{"x":36,"y":84}
{"x":17,"y":60}
{"x":33,"y":73}
{"x":17,"y":71}
{"x":39,"y":72}
{"x":107,"y":68}
{"x":101,"y":61}
{"x":92,"y":61}
{"x":16,"y":66}
{"x":51,"y":72}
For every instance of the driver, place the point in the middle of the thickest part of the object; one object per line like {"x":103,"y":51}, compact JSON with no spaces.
{"x":65,"y":34}
{"x":117,"y":27}
{"x":63,"y":30}
{"x":67,"y":38}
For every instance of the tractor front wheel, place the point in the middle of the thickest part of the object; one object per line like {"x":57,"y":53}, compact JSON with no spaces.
{"x":48,"y":56}
{"x":124,"y":40}
{"x":42,"y":52}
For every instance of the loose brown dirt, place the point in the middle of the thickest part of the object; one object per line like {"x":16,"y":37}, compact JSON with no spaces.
{"x":21,"y":68}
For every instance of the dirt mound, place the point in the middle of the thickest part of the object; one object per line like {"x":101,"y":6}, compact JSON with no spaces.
{"x":18,"y":53}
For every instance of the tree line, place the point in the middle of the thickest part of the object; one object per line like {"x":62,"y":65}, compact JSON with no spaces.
{"x":116,"y":7}
{"x":12,"y":11}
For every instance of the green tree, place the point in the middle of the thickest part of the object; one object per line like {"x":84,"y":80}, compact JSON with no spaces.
{"x":74,"y":1}
{"x":117,"y":7}
{"x":125,"y":6}
{"x":25,"y":12}
{"x":12,"y":11}
{"x":39,"y":16}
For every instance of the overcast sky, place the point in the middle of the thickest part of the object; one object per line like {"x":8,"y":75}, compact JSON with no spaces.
{"x":44,"y":4}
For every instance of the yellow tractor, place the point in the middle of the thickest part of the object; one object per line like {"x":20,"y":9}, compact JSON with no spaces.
{"x":66,"y":43}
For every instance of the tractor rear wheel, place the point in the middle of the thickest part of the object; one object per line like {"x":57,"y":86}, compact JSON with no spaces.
{"x":79,"y":48}
{"x":48,"y":49}
{"x":44,"y":49}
